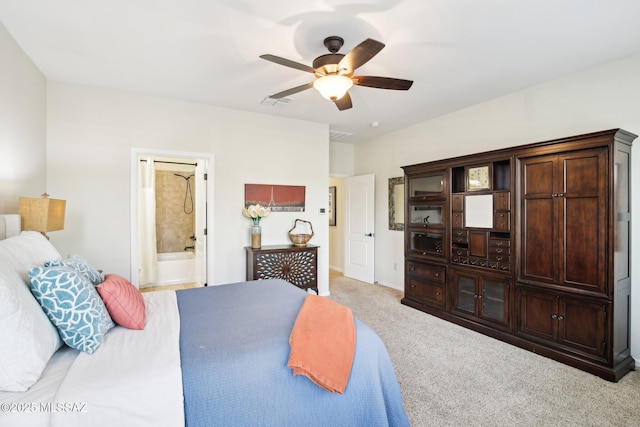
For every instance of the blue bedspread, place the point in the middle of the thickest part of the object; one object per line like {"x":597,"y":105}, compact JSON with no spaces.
{"x":234,"y":347}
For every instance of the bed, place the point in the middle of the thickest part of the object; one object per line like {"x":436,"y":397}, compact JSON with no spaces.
{"x":214,"y":356}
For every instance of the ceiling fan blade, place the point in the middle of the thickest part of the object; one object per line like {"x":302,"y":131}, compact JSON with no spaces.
{"x":344,"y":103}
{"x":292,"y":91}
{"x":288,"y":63}
{"x":382,"y":82}
{"x":360,"y":55}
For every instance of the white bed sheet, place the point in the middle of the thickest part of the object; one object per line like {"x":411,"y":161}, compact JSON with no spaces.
{"x":134,"y":378}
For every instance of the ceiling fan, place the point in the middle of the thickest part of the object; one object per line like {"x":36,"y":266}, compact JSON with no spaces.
{"x":334,"y":72}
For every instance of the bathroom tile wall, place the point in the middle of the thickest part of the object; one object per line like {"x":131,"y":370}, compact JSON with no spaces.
{"x":174,"y":213}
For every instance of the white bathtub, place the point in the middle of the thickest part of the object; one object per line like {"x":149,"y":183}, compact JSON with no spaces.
{"x":176,"y":267}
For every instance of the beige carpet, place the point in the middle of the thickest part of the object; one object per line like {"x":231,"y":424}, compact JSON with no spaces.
{"x":451,"y":376}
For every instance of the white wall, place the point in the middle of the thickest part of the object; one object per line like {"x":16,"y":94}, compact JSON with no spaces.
{"x":90,"y":135}
{"x":604,"y":97}
{"x":341,"y":157}
{"x":23,"y":96}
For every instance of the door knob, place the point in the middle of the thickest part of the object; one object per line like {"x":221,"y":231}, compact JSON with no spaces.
{"x":369,"y":235}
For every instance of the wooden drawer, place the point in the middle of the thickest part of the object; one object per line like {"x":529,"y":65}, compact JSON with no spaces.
{"x":504,"y":266}
{"x":460,"y":233}
{"x":499,"y":242}
{"x":457,"y":202}
{"x":460,"y":259}
{"x":457,"y":220}
{"x":459,"y":252}
{"x":499,"y":257}
{"x":496,"y":265}
{"x":426,"y":291}
{"x":429,"y":271}
{"x":493,"y":250}
{"x":501,"y":201}
{"x":479,"y":262}
{"x":502,"y":220}
{"x":460,"y":236}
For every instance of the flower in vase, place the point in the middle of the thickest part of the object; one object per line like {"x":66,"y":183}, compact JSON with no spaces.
{"x":256,"y":212}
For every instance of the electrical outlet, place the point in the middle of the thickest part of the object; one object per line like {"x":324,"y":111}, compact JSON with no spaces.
{"x":322,"y":211}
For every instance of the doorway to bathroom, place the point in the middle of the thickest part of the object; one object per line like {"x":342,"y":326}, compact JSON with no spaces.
{"x":169,"y":236}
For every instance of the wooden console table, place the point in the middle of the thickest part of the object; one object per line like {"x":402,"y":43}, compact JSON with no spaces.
{"x":297,"y":265}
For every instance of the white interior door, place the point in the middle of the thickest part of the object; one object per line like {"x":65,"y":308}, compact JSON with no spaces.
{"x":359,"y":231}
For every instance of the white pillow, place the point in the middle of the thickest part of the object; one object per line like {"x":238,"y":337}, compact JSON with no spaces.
{"x":28,"y":338}
{"x":22,"y":253}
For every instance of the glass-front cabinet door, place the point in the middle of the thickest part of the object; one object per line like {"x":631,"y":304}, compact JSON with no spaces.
{"x":483,"y":296}
{"x":494,"y":291}
{"x":465,"y":295}
{"x":426,"y":215}
{"x":427,"y":187}
{"x":427,"y":243}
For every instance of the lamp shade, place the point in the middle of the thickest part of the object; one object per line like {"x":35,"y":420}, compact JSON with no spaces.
{"x":43,"y":214}
{"x":333,"y":87}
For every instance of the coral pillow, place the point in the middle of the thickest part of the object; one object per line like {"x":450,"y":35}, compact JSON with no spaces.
{"x":124,"y":301}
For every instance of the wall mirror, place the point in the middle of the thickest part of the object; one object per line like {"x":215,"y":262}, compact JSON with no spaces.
{"x":396,"y":203}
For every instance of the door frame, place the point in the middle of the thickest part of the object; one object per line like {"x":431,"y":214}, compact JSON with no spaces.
{"x":136,"y":153}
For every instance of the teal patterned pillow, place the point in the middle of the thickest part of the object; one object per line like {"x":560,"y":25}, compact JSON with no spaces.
{"x":72,"y":304}
{"x":81,"y":265}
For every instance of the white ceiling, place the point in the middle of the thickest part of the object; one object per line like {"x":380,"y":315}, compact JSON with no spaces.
{"x":458,"y":52}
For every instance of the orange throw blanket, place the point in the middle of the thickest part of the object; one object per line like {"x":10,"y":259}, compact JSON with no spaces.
{"x":323,"y":343}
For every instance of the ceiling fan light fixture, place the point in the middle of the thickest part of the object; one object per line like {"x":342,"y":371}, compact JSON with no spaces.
{"x":333,"y":87}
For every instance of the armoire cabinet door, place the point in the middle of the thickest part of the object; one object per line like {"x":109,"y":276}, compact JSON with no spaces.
{"x":582,"y":326}
{"x":539,"y":260}
{"x":570,"y":322}
{"x":538,"y":315}
{"x":564,"y":219}
{"x":583,"y":219}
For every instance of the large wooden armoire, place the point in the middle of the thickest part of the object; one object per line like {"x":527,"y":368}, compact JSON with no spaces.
{"x":529,"y":245}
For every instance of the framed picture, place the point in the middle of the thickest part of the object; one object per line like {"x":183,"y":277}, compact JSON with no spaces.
{"x":478,"y":178}
{"x":280,"y":198}
{"x":332,"y":206}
